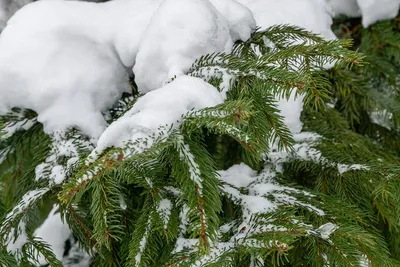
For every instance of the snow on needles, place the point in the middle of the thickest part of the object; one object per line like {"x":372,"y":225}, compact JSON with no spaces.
{"x":54,"y":232}
{"x":161,"y":107}
{"x":64,"y":60}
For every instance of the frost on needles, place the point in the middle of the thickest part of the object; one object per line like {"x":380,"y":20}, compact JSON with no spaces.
{"x":199,"y":168}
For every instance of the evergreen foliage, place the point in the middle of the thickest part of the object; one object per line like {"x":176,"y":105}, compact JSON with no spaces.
{"x":331,"y":192}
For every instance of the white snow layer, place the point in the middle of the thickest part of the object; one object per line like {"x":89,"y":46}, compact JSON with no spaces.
{"x":69,"y":61}
{"x":54,"y":232}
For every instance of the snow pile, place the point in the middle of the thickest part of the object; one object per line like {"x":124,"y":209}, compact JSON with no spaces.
{"x":64,"y":60}
{"x":63,"y":69}
{"x":54,"y":232}
{"x":161,"y":107}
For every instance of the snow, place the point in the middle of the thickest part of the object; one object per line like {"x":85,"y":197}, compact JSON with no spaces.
{"x":324,"y":231}
{"x":194,"y":169}
{"x":57,"y":174}
{"x":61,"y":148}
{"x":142,"y":245}
{"x":15,"y":246}
{"x":342,"y":168}
{"x":176,"y":37}
{"x":371,"y":11}
{"x":262,"y":194}
{"x":271,"y":12}
{"x":9,"y":7}
{"x":70,"y":62}
{"x":164,"y":209}
{"x":84,"y":78}
{"x":27,"y":199}
{"x":291,"y":111}
{"x":345,"y":7}
{"x":382,"y":118}
{"x":239,"y":175}
{"x":54,"y":232}
{"x":164,"y":106}
{"x":376,"y":10}
{"x":12,"y":127}
{"x":91,"y":56}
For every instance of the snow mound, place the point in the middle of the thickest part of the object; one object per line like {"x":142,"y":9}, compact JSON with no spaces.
{"x":164,"y":106}
{"x":181,"y":31}
{"x":64,"y":60}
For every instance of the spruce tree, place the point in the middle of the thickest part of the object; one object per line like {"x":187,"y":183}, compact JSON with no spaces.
{"x":230,"y":185}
